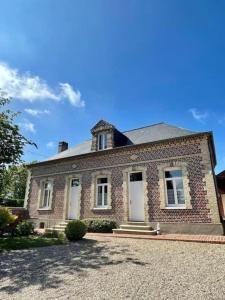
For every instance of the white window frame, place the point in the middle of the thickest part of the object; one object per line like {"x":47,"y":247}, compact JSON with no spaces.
{"x":103,"y":136}
{"x":103,"y":188}
{"x":173,"y":179}
{"x":50,"y":192}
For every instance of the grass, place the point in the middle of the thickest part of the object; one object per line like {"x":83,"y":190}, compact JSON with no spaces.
{"x":16,"y":243}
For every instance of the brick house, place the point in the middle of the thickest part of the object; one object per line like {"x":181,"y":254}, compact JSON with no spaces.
{"x":155,"y":174}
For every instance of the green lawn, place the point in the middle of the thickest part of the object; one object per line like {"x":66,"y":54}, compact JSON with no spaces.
{"x":14,"y":243}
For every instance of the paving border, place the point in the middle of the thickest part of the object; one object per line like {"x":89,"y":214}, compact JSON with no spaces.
{"x":212,"y":239}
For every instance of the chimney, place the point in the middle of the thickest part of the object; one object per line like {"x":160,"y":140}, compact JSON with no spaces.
{"x":62,"y":146}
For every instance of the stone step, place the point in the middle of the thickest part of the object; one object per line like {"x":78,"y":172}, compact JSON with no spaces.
{"x":60,"y":225}
{"x":136,"y":223}
{"x":54,"y":229}
{"x":135,"y":227}
{"x":132,"y":231}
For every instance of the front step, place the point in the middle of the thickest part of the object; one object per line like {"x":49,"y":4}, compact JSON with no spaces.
{"x":135,"y":228}
{"x":133,"y":231}
{"x":58,"y":227}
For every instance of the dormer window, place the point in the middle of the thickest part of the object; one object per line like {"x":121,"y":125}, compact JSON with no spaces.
{"x":102,"y":141}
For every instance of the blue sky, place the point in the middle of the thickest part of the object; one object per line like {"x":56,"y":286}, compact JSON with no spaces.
{"x":133,"y":63}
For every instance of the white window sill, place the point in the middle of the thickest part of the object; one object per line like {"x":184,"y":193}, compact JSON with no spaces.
{"x":176,"y":207}
{"x":45,"y":208}
{"x":102,"y":208}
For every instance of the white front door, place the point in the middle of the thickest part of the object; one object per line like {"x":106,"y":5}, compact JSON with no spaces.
{"x":136,"y":197}
{"x":74,"y":199}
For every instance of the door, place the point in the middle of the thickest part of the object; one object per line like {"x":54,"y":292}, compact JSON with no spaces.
{"x":74,"y":199}
{"x":136,"y":197}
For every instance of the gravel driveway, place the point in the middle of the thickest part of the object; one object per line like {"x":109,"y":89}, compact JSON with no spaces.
{"x":107,"y":268}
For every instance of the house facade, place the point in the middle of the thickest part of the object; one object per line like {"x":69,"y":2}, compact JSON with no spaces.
{"x":155,"y":174}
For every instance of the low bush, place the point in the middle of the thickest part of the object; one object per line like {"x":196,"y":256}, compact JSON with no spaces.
{"x":75,"y":230}
{"x":6,"y":218}
{"x":11,"y":202}
{"x":100,"y":225}
{"x":24,"y":228}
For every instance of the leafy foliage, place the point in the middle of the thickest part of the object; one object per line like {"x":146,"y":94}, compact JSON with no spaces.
{"x":24,"y":228}
{"x":12,"y":141}
{"x":75,"y":230}
{"x":13,"y":183}
{"x":100,"y":225}
{"x":6,"y":218}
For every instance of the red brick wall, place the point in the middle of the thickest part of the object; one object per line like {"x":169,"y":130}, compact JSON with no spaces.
{"x":186,"y":150}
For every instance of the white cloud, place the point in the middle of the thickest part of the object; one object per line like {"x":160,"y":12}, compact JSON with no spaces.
{"x":73,"y":96}
{"x":50,"y":145}
{"x":32,"y":88}
{"x":36,"y":112}
{"x":198,"y":116}
{"x":27,"y":125}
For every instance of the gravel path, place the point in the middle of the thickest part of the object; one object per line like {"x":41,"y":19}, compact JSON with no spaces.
{"x":110,"y":268}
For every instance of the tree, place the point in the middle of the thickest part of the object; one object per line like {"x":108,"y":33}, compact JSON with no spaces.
{"x":12,"y":142}
{"x":13,"y":182}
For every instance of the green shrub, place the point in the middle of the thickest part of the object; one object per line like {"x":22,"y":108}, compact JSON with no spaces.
{"x":24,"y":228}
{"x":6,"y":218}
{"x":100,"y":225}
{"x":75,"y":230}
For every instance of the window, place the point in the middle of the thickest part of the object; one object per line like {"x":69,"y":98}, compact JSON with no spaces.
{"x":102,"y":192}
{"x":174,"y":188}
{"x":102,"y":141}
{"x":46,"y":194}
{"x":137,"y":176}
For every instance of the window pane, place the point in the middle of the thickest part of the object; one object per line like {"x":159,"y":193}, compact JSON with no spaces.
{"x":105,"y":140}
{"x":45,"y":199}
{"x":173,"y":173}
{"x":75,"y":182}
{"x":170,"y":192}
{"x":105,"y":194}
{"x":180,"y":191}
{"x":102,"y":180}
{"x":136,"y":176}
{"x":100,"y":141}
{"x":99,"y":196}
{"x":179,"y":183}
{"x":180,"y":197}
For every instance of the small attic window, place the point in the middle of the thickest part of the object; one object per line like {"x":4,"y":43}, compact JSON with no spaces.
{"x":102,"y":141}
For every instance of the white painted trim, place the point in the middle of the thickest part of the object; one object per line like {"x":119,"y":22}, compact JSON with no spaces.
{"x":162,"y":186}
{"x":126,"y":190}
{"x":25,"y":205}
{"x":95,"y":176}
{"x":67,"y":194}
{"x":117,"y":165}
{"x":40,"y":194}
{"x":104,"y":140}
{"x":103,"y":188}
{"x":128,"y":185}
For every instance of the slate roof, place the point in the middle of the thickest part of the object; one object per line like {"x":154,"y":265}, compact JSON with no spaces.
{"x":152,"y":133}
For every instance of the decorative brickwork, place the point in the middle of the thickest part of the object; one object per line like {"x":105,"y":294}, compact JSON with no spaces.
{"x":191,"y":153}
